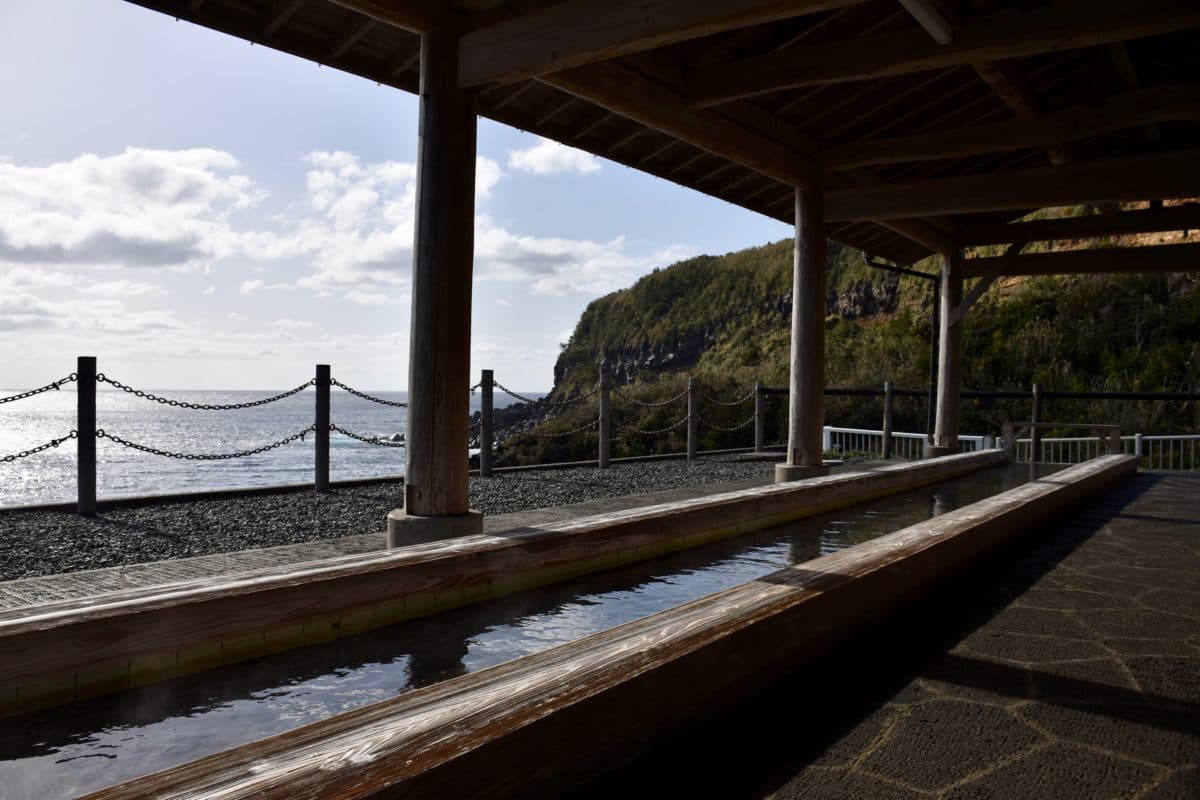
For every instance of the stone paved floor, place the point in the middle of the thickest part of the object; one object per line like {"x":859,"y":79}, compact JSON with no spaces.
{"x":1069,"y":669}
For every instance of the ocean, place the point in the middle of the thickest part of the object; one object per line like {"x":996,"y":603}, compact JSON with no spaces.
{"x":49,"y":476}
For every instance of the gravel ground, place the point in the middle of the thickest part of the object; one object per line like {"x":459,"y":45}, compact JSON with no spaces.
{"x":48,"y":542}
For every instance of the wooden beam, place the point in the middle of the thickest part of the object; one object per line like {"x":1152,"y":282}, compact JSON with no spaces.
{"x":418,"y":16}
{"x":1011,"y":87}
{"x":1063,"y":25}
{"x":1172,"y":175}
{"x":351,"y":35}
{"x":1130,"y":110}
{"x":1150,"y":258}
{"x":985,"y":282}
{"x":281,"y":12}
{"x":1129,"y":77}
{"x":1172,"y":218}
{"x":625,"y":92}
{"x":577,"y":32}
{"x":931,"y":18}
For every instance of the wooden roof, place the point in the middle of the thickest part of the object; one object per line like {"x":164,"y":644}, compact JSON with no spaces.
{"x":923,"y":119}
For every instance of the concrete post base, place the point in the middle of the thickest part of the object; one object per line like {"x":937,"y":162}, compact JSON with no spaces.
{"x":784,"y":473}
{"x":405,"y":529}
{"x":935,"y":451}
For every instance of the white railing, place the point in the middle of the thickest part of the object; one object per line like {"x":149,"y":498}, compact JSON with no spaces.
{"x":909,"y":446}
{"x":1155,"y":452}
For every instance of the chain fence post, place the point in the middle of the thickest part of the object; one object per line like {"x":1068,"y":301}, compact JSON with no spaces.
{"x":693,"y":417}
{"x":321,"y":443}
{"x":605,"y":417}
{"x":486,"y":406}
{"x":887,"y":420}
{"x":1035,"y":433}
{"x":85,"y":423}
{"x":760,"y":416}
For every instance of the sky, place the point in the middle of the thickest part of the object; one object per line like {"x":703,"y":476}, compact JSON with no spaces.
{"x":200,"y":213}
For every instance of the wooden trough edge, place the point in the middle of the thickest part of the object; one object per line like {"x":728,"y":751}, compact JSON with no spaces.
{"x":78,"y":649}
{"x":548,"y":721}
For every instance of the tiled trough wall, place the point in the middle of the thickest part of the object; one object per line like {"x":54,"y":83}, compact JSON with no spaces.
{"x":74,"y":650}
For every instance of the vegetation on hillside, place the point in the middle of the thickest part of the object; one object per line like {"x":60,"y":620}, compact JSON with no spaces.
{"x":725,"y":321}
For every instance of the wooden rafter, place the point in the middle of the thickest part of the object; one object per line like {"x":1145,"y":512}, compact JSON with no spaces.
{"x":1172,"y":218}
{"x":1130,"y":110}
{"x":1152,"y":258}
{"x":552,"y":38}
{"x":351,"y":35}
{"x":1063,"y":25}
{"x":281,"y":12}
{"x":625,"y":92}
{"x":412,"y":15}
{"x":1138,"y":178}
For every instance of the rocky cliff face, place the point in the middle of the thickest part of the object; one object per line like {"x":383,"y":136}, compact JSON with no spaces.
{"x":682,"y":352}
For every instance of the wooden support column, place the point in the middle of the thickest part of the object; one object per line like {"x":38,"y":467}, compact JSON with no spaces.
{"x":435,"y":483}
{"x":945,"y":430}
{"x":806,"y":412}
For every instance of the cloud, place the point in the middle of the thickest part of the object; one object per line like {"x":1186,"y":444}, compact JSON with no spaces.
{"x":258,"y":285}
{"x":367,"y":298}
{"x":140,"y":208}
{"x":548,"y":158}
{"x":210,"y":290}
{"x":293,"y":324}
{"x":122,"y":288}
{"x":554,"y":266}
{"x":91,"y":316}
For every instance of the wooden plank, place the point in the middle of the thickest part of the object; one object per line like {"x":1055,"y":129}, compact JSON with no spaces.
{"x":623,"y":91}
{"x":1062,"y":25}
{"x":1150,"y":258}
{"x":577,"y":32}
{"x":1129,"y":110}
{"x":541,"y":725}
{"x":1171,"y":175}
{"x":1171,"y":218}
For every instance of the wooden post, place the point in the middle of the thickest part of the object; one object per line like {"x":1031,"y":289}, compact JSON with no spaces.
{"x":760,"y":416}
{"x":806,"y":411}
{"x":935,"y":322}
{"x":436,"y":469}
{"x":945,"y":429}
{"x":85,"y":425}
{"x":487,"y":382}
{"x":693,"y":418}
{"x":887,"y":420}
{"x":605,"y":417}
{"x":1035,"y":432}
{"x":321,"y":442}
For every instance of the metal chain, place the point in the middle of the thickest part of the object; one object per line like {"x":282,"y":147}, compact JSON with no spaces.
{"x":556,"y":404}
{"x":365,"y":396}
{"x":14,"y":397}
{"x":101,"y":434}
{"x":748,"y":396}
{"x":708,"y":424}
{"x":628,"y":398}
{"x":39,"y":448}
{"x":561,"y":434}
{"x":367,"y":439}
{"x":667,"y":429}
{"x":166,"y":401}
